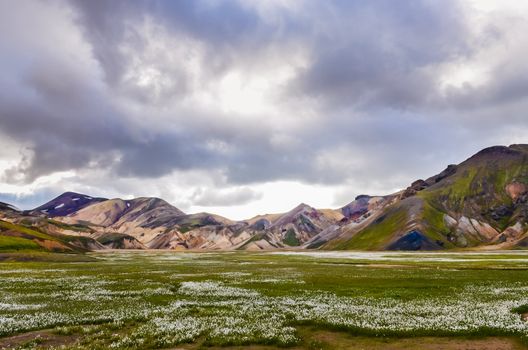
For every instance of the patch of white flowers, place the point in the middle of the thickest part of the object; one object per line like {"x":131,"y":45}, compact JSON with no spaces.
{"x":220,"y":310}
{"x":270,"y":280}
{"x":18,"y":307}
{"x":212,"y":288}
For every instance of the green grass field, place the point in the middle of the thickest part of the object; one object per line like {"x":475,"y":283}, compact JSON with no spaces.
{"x":312,"y":300}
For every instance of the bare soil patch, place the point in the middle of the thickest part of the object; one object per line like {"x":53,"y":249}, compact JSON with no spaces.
{"x":44,"y":338}
{"x":339,"y":340}
{"x":313,"y":339}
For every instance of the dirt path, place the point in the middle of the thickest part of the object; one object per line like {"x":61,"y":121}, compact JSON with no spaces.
{"x":43,"y":338}
{"x":313,"y":340}
{"x":337,"y":340}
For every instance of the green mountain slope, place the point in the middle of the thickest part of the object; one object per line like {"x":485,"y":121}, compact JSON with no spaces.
{"x":480,"y":202}
{"x":17,"y":237}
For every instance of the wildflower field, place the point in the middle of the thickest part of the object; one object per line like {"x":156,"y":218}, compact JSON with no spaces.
{"x":145,"y":300}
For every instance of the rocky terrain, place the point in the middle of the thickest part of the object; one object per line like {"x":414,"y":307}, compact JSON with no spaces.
{"x":480,"y":203}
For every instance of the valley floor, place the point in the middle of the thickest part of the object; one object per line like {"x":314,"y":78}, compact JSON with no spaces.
{"x":242,"y":300}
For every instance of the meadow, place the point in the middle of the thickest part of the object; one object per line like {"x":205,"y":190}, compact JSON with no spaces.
{"x":314,"y":300}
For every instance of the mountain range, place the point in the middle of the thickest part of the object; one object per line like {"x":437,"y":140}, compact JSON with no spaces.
{"x":481,"y":203}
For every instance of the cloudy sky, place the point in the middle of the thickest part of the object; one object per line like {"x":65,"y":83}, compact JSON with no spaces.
{"x":246,"y":107}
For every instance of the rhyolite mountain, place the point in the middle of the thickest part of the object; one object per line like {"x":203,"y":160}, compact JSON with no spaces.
{"x":65,"y":204}
{"x":481,"y":203}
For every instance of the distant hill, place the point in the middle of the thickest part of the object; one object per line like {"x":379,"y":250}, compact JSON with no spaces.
{"x":480,"y":203}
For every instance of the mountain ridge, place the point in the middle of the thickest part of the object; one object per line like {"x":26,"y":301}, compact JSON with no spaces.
{"x":480,"y":203}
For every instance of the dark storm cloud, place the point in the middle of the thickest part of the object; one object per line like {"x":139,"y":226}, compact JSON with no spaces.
{"x":63,"y":121}
{"x":379,"y":53}
{"x":372,"y":77}
{"x":227,"y":29}
{"x":103,"y":23}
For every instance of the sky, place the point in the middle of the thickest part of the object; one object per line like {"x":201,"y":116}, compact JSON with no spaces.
{"x":250,"y":107}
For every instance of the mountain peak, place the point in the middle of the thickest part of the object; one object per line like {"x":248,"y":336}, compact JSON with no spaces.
{"x":293,"y":214}
{"x":498,"y":151}
{"x":71,"y":193}
{"x":302,"y":206}
{"x":151,"y":203}
{"x":65,"y":204}
{"x":363,"y":196}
